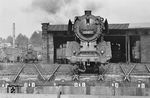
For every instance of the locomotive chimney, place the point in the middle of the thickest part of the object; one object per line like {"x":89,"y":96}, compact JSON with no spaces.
{"x":87,"y":12}
{"x":13,"y":35}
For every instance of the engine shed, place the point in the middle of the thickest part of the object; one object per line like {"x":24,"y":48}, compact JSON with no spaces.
{"x":130,"y":43}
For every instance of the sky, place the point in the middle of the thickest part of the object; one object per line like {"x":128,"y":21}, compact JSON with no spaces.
{"x":29,"y":14}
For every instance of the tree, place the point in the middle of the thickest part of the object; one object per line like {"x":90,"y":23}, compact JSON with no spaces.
{"x":2,"y":40}
{"x":9,"y":39}
{"x":36,"y":39}
{"x":22,"y":41}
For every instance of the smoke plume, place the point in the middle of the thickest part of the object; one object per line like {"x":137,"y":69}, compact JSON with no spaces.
{"x":94,"y":6}
{"x":50,"y":6}
{"x":60,"y":11}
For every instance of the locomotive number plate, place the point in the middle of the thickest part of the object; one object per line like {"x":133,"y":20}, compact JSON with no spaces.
{"x":88,"y":32}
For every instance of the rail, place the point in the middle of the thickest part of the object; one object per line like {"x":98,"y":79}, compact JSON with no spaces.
{"x":53,"y":73}
{"x":127,"y":74}
{"x":16,"y":77}
{"x":22,"y":67}
{"x":39,"y":71}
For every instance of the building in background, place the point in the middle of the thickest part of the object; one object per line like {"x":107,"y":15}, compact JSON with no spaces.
{"x":4,"y":44}
{"x":126,"y":39}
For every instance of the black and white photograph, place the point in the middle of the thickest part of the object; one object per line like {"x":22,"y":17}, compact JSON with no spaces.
{"x":74,"y":48}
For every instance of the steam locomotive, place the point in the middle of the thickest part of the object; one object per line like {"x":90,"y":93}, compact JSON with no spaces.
{"x":89,"y":52}
{"x":30,"y":55}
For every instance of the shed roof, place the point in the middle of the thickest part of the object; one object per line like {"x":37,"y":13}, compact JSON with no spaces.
{"x":123,"y":26}
{"x":139,"y":25}
{"x":64,"y":27}
{"x":118,"y":26}
{"x":59,"y":27}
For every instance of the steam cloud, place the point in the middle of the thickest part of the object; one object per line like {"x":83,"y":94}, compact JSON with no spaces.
{"x":93,"y":6}
{"x":61,"y":10}
{"x":50,"y":6}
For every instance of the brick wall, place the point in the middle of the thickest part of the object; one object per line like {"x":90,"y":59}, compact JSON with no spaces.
{"x":48,"y":45}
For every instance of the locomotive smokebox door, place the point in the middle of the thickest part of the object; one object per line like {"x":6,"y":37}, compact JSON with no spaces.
{"x":13,"y":89}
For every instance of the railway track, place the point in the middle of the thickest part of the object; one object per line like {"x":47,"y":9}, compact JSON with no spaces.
{"x":117,"y":72}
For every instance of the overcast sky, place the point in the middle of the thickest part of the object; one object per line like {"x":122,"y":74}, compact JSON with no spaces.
{"x":29,"y":14}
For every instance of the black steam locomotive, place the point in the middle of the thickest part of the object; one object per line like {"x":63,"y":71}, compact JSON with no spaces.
{"x":30,"y":55}
{"x":89,"y":51}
